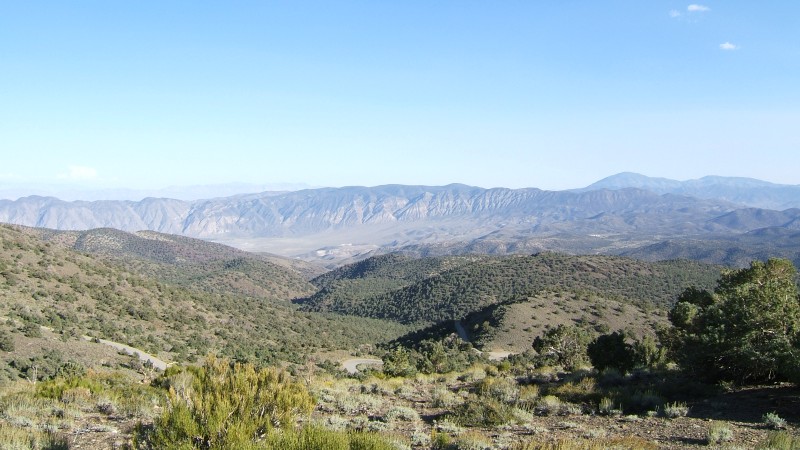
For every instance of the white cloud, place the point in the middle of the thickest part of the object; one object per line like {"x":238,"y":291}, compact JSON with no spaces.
{"x":697,"y":8}
{"x":728,"y":46}
{"x":79,"y":173}
{"x":674,"y":13}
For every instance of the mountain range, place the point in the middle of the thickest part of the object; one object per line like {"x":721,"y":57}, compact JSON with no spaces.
{"x":623,"y":214}
{"x":739,"y":190}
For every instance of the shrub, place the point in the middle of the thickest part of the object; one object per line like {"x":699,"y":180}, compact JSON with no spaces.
{"x":229,"y":406}
{"x":548,"y":405}
{"x":528,"y":395}
{"x":611,"y":351}
{"x":503,"y":389}
{"x":444,"y":398}
{"x":6,"y":341}
{"x":718,"y":433}
{"x":15,"y":438}
{"x":563,"y":345}
{"x":398,"y":363}
{"x":606,"y":407}
{"x":625,"y":443}
{"x":483,"y":411}
{"x":441,"y":441}
{"x":582,"y":390}
{"x":773,"y":421}
{"x":314,"y":438}
{"x":641,"y":401}
{"x":781,"y":440}
{"x":611,"y":377}
{"x":32,"y":330}
{"x":676,"y":409}
{"x":402,"y":413}
{"x":67,"y":388}
{"x":472,"y":440}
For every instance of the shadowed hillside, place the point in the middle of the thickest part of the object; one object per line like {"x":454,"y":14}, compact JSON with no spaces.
{"x":474,"y":282}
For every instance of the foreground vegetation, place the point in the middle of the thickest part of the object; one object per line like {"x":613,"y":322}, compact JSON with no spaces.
{"x":225,"y":405}
{"x":716,"y":369}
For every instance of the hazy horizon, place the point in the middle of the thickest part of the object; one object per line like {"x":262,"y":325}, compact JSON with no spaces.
{"x":197,"y":192}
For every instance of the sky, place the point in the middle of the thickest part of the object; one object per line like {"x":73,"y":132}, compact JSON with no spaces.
{"x":554,"y":95}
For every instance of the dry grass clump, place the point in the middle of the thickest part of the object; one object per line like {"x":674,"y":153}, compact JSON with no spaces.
{"x":675,"y":410}
{"x":472,"y":440}
{"x":718,"y":433}
{"x":474,"y":373}
{"x":37,"y":416}
{"x":441,"y":397}
{"x":528,"y":395}
{"x":402,"y":414}
{"x":15,"y":438}
{"x":780,"y":440}
{"x":625,"y":443}
{"x":503,"y":389}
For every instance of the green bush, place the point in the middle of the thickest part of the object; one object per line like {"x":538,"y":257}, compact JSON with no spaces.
{"x":55,"y":388}
{"x":503,"y":389}
{"x":564,"y":346}
{"x":32,"y":330}
{"x":6,"y":341}
{"x":228,"y":406}
{"x":675,"y":410}
{"x":611,"y":351}
{"x":482,"y":412}
{"x":397,"y":363}
{"x":773,"y":421}
{"x":718,"y":433}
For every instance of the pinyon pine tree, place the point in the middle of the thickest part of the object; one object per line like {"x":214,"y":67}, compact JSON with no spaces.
{"x":747,"y":330}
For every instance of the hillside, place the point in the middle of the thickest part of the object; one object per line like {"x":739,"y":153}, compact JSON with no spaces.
{"x":203,"y":265}
{"x":731,"y":251}
{"x":476,"y":282}
{"x":47,"y":283}
{"x":511,"y":326}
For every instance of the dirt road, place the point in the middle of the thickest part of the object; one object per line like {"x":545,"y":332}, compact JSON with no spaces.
{"x":144,"y":357}
{"x":351,"y":365}
{"x":493,"y":356}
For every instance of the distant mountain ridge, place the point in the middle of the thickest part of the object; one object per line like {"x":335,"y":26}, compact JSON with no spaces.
{"x":350,"y":223}
{"x":744,"y":191}
{"x":15,"y":191}
{"x":309,"y":211}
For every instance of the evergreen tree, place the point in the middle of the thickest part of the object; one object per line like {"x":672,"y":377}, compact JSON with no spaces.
{"x":564,"y":346}
{"x":747,"y":330}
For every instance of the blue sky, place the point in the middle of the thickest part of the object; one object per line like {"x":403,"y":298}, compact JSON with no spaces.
{"x":553,"y":95}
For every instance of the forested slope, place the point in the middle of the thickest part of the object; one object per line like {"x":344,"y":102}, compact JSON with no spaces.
{"x":476,"y":282}
{"x":44,"y":283}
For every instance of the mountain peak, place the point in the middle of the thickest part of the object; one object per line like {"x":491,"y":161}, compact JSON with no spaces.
{"x":744,"y":191}
{"x":634,"y":180}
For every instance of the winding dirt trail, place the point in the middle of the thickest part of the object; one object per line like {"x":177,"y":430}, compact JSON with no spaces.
{"x":143,"y":356}
{"x":351,"y":365}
